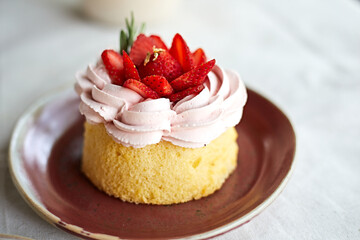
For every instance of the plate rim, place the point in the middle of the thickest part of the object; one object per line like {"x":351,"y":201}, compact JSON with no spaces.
{"x":54,"y":220}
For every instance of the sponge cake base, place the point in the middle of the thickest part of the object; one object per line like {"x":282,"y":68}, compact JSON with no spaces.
{"x":160,"y":173}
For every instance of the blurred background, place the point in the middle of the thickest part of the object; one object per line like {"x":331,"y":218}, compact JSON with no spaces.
{"x":302,"y":55}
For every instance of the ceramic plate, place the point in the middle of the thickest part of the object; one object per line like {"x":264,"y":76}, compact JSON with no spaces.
{"x":45,"y":154}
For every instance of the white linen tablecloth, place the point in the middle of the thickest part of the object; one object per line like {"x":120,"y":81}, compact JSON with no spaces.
{"x":302,"y":55}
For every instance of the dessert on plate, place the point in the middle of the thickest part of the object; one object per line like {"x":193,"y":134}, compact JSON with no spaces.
{"x":159,"y":121}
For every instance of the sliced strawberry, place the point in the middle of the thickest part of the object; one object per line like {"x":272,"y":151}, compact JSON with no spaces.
{"x":199,"y":57}
{"x":140,"y":88}
{"x":129,"y":68}
{"x":161,"y":63}
{"x":143,"y":45}
{"x":181,"y":52}
{"x":180,"y":95}
{"x":159,"y":84}
{"x":194,"y":77}
{"x":114,"y":65}
{"x":158,"y":42}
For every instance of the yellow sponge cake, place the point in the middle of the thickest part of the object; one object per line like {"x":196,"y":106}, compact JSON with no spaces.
{"x":160,"y":121}
{"x":160,"y":173}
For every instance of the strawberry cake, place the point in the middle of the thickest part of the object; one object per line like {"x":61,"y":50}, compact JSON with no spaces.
{"x":159,"y":121}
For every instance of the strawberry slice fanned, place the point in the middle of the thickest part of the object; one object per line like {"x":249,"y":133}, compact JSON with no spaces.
{"x":129,"y":68}
{"x":161,"y":63}
{"x":113,"y":62}
{"x":194,"y":77}
{"x":140,"y":88}
{"x":180,"y":95}
{"x":181,"y":52}
{"x":199,"y":57}
{"x":159,"y":84}
{"x":158,"y":42}
{"x":142,"y":45}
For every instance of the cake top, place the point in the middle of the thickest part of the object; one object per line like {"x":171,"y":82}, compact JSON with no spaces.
{"x":147,"y":92}
{"x":150,"y":68}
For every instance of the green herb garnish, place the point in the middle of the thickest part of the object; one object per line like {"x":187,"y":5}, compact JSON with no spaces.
{"x":127,"y":39}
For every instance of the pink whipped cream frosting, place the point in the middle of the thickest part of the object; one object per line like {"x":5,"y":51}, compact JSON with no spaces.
{"x":134,"y":121}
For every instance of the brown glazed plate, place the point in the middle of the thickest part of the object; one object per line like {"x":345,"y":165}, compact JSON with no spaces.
{"x":44,"y":160}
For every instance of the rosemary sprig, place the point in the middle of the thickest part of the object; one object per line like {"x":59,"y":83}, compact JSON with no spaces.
{"x":127,"y":38}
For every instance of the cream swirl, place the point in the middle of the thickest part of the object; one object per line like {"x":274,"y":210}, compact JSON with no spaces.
{"x":134,"y":121}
